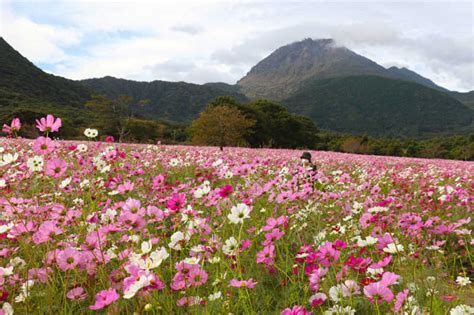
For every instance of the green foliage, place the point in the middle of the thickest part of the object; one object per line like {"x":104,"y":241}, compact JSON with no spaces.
{"x":458,"y":147}
{"x":380,"y":107}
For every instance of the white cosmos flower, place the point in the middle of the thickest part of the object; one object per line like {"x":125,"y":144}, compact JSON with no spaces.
{"x":239,"y":213}
{"x":142,"y":282}
{"x":3,"y":183}
{"x":393,"y":249}
{"x":25,"y":291}
{"x":231,"y":247}
{"x":91,"y":133}
{"x":177,"y":238}
{"x":378,"y":209}
{"x":146,"y":247}
{"x":35,"y":164}
{"x":81,"y":147}
{"x":463,"y":281}
{"x":65,"y":182}
{"x":7,"y":308}
{"x":462,"y":310}
{"x":8,"y":159}
{"x":215,"y":296}
{"x":154,"y":260}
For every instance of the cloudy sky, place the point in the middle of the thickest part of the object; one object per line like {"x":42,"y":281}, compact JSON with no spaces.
{"x":208,"y":41}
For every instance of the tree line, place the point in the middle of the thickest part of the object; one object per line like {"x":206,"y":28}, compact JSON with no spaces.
{"x":227,"y":122}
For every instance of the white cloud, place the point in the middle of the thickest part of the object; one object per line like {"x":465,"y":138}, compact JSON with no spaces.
{"x":203,"y":41}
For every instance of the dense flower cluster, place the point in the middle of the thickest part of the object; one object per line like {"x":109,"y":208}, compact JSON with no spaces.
{"x":125,"y":228}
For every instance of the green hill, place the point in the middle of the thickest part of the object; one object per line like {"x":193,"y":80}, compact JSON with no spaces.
{"x":380,"y":106}
{"x":173,"y":101}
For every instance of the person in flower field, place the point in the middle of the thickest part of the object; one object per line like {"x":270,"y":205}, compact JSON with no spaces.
{"x":309,"y":169}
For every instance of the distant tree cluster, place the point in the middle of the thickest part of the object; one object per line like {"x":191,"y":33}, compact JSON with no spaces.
{"x":266,"y":124}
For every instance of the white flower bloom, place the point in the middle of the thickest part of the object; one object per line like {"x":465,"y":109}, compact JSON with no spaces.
{"x":7,"y":271}
{"x":7,"y":308}
{"x":217,"y":163}
{"x":35,"y":164}
{"x":91,"y":133}
{"x":340,"y":310}
{"x":174,"y":162}
{"x":393,"y":249}
{"x":239,"y":213}
{"x":463,"y":281}
{"x":367,"y":242}
{"x":462,"y":310}
{"x":177,"y":239}
{"x":335,"y":293}
{"x":146,"y":247}
{"x":228,"y":175}
{"x":5,"y":228}
{"x":378,"y":209}
{"x":8,"y":159}
{"x":215,"y":296}
{"x":231,"y":247}
{"x":3,"y":183}
{"x":25,"y":287}
{"x":142,"y":282}
{"x":191,"y":260}
{"x":65,"y":183}
{"x":81,"y":147}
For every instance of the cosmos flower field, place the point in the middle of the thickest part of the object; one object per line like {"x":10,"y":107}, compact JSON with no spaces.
{"x":88,"y":226}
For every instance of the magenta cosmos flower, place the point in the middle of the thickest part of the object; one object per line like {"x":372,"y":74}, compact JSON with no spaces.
{"x":378,"y":292}
{"x":176,"y":202}
{"x":49,"y":124}
{"x":104,"y":298}
{"x":15,"y":126}
{"x":43,"y":145}
{"x":55,"y":167}
{"x":296,"y":310}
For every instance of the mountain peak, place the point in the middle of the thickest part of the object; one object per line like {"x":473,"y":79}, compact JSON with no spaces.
{"x":285,"y":70}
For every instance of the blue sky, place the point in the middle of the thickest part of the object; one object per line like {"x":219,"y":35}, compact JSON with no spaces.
{"x":208,"y":41}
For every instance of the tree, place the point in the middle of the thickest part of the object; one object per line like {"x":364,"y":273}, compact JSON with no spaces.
{"x":118,"y":112}
{"x":221,"y":126}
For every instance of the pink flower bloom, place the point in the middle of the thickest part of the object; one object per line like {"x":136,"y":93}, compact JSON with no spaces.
{"x":45,"y":231}
{"x":266,"y":255}
{"x":77,"y":294}
{"x":125,"y":187}
{"x":14,"y":127}
{"x":296,"y":310}
{"x":384,"y":262}
{"x":197,"y":277}
{"x":176,"y":202}
{"x":378,"y":292}
{"x":226,"y":191}
{"x":401,"y":297}
{"x":43,"y":145}
{"x":49,"y":124}
{"x":109,"y":139}
{"x":242,"y":283}
{"x":104,"y":298}
{"x":327,"y":255}
{"x":389,"y":278}
{"x":317,"y":299}
{"x":55,"y":167}
{"x":68,"y":259}
{"x":350,"y":287}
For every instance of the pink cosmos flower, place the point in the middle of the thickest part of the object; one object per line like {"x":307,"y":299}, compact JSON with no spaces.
{"x":326,"y":254}
{"x":104,"y":298}
{"x":77,"y":294}
{"x":49,"y":124}
{"x":55,"y":167}
{"x":125,"y":187}
{"x":317,"y":299}
{"x":176,"y":202}
{"x":43,"y":145}
{"x":266,"y":255}
{"x":226,"y":191}
{"x":296,"y":310}
{"x":68,"y":259}
{"x":401,"y":297}
{"x":14,"y":127}
{"x":197,"y":277}
{"x":389,"y":278}
{"x":109,"y":139}
{"x":45,"y":231}
{"x":242,"y":283}
{"x":378,"y":292}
